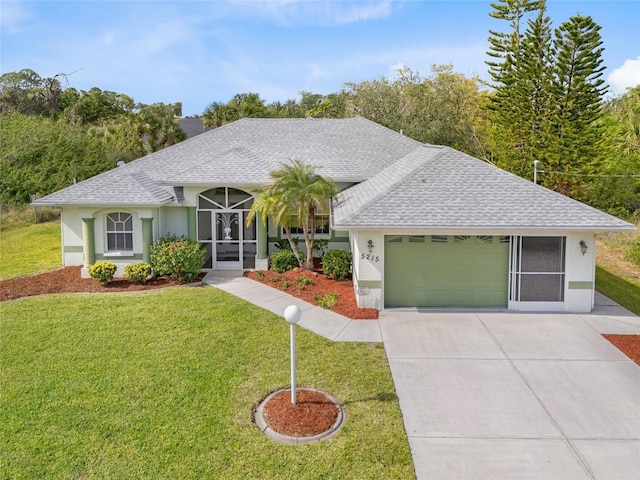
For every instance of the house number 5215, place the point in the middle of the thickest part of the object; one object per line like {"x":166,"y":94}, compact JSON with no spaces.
{"x":369,"y":256}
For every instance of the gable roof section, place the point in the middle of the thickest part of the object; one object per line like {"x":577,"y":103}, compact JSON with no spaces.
{"x":243,"y":153}
{"x":442,"y":188}
{"x":119,"y":186}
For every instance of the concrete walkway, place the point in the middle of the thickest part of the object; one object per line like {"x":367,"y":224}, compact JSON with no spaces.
{"x":499,"y":395}
{"x":323,"y":322}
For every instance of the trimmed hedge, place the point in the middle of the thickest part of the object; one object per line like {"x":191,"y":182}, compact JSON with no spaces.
{"x":103,"y":272}
{"x":283,"y":261}
{"x":137,"y":272}
{"x":336,"y":263}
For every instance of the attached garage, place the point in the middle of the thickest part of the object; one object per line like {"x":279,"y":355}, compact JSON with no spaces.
{"x":446,"y":271}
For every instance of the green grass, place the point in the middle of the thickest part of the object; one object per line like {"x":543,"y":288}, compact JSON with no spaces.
{"x":624,"y":291}
{"x":162,"y":385}
{"x":29,"y":248}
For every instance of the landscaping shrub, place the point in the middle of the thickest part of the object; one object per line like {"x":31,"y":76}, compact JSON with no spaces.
{"x":303,"y":281}
{"x":180,"y":258}
{"x":103,"y":272}
{"x":336,"y":263}
{"x":327,"y":301}
{"x":283,"y":244}
{"x":137,"y":272}
{"x":320,"y":247}
{"x":283,"y":261}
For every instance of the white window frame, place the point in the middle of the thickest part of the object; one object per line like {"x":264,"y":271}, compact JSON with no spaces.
{"x":320,"y":213}
{"x":122,"y":217}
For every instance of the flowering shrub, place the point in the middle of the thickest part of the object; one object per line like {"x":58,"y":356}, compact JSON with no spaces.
{"x":180,"y":258}
{"x":103,"y":272}
{"x":137,"y":272}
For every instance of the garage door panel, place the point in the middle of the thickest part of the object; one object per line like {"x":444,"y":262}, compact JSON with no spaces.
{"x":463,"y":271}
{"x":437,"y":299}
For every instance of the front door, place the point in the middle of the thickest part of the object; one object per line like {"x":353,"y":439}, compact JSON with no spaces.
{"x":222,"y":229}
{"x":228,"y":240}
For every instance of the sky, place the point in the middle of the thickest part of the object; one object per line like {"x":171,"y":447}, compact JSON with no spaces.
{"x":198,"y":52}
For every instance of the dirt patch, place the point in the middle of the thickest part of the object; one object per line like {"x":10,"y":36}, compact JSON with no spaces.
{"x":68,"y":280}
{"x":627,"y":344}
{"x":613,"y":258}
{"x":291,"y":283}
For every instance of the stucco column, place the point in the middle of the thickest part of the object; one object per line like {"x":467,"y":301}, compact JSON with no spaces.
{"x":261,"y":233}
{"x":147,"y":239}
{"x":191,"y":223}
{"x":89,"y":241}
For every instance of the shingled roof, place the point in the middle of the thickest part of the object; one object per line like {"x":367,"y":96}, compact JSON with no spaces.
{"x":243,"y":153}
{"x":441,"y":188}
{"x":401,"y":183}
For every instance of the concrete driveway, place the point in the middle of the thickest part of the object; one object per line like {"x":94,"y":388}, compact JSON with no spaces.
{"x":495,"y":396}
{"x":516,"y":396}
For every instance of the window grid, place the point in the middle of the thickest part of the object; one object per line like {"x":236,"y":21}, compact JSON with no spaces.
{"x":119,"y":232}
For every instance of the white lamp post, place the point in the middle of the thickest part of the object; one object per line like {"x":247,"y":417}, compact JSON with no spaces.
{"x":292,"y":315}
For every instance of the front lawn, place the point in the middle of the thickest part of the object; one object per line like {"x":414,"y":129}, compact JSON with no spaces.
{"x":29,"y":248}
{"x":624,"y":291}
{"x":162,"y":384}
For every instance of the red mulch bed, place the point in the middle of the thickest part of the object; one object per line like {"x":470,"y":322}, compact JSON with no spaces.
{"x":67,"y":280}
{"x":627,"y":344}
{"x":320,"y":286}
{"x":313,"y":413}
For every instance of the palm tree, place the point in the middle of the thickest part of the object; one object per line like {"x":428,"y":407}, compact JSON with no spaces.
{"x":218,"y":114}
{"x":292,"y":200}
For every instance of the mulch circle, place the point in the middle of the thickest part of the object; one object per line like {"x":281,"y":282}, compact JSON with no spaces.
{"x":316,"y":416}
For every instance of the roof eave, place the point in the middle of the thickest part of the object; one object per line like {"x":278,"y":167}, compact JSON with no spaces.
{"x":487,"y":228}
{"x":100,"y":205}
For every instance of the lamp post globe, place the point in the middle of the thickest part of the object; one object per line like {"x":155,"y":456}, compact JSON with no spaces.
{"x":292,"y":314}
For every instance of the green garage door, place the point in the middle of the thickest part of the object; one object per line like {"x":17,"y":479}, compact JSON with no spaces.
{"x":446,"y":271}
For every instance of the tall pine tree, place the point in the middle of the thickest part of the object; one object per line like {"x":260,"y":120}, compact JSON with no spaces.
{"x":578,"y":99}
{"x":548,"y":94}
{"x":522,"y":78}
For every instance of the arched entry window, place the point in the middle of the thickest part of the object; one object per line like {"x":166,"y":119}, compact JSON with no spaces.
{"x":222,"y":215}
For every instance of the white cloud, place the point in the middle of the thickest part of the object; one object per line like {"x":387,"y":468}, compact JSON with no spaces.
{"x":13,"y":16}
{"x":628,"y":75}
{"x":317,"y":72}
{"x":309,"y":12}
{"x":363,"y":11}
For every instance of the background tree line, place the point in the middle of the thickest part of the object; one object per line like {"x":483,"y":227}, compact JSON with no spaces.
{"x":51,"y":137}
{"x":546,"y":102}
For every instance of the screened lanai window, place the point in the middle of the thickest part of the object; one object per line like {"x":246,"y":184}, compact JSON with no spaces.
{"x":119,"y":232}
{"x":541,"y":269}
